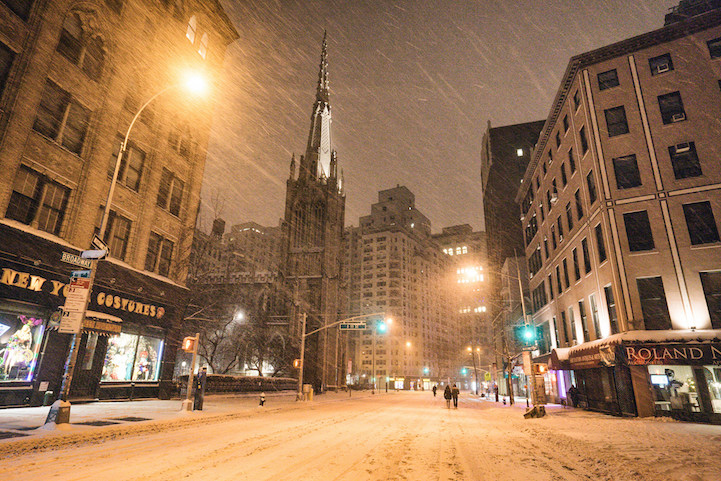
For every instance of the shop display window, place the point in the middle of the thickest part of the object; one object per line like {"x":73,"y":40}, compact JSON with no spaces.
{"x":713,"y":380}
{"x":20,"y":338}
{"x":674,"y":388}
{"x":132,"y":357}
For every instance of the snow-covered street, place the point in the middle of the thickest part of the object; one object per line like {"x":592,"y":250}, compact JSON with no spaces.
{"x":394,"y":436}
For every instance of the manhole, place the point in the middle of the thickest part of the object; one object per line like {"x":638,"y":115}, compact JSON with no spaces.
{"x":97,"y":423}
{"x":132,"y":419}
{"x":8,"y":435}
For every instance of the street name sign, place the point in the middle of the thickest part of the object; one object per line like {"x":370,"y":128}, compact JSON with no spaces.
{"x":98,"y":243}
{"x":353,"y":326}
{"x":76,"y":260}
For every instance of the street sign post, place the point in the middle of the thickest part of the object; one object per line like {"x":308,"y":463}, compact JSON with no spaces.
{"x":74,"y":307}
{"x":84,"y":274}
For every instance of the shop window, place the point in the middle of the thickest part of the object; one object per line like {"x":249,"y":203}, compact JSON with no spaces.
{"x":61,"y":118}
{"x":674,"y":389}
{"x":7,"y":57}
{"x":607,"y":80}
{"x":653,"y":303}
{"x":661,"y":64}
{"x":611,"y":305}
{"x":638,"y":231}
{"x":711,"y":283}
{"x":160,"y":254}
{"x":714,"y":47}
{"x":81,"y":47}
{"x":131,"y":165}
{"x":713,"y":381}
{"x":20,"y":339}
{"x":38,"y":201}
{"x":132,"y":358}
{"x":701,"y":223}
{"x":600,"y":244}
{"x":671,"y":107}
{"x":626,"y":170}
{"x":170,"y":192}
{"x":584,"y":320}
{"x":616,"y":121}
{"x":586,"y":256}
{"x":684,"y":160}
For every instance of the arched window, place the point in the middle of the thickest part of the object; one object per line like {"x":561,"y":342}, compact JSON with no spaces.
{"x":81,"y":47}
{"x":192,"y":27}
{"x":203,"y":47}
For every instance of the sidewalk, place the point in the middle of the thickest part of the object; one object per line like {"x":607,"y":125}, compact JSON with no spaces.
{"x":18,"y":423}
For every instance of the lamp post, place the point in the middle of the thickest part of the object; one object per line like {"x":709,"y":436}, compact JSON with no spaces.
{"x":382,"y":326}
{"x":475,"y":369}
{"x":60,"y":410}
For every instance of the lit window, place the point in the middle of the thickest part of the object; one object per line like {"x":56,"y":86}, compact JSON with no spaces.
{"x":465,"y":249}
{"x":458,"y":251}
{"x":190,"y":32}
{"x":203,"y":47}
{"x":519,"y":152}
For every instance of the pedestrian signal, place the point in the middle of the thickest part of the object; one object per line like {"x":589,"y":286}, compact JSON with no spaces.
{"x":189,"y":344}
{"x":540,"y":369}
{"x":296,"y":363}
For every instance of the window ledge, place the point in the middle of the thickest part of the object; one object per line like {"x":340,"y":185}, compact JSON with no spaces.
{"x":643,"y":253}
{"x":710,"y":245}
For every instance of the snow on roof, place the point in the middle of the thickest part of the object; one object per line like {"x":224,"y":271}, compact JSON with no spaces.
{"x":670,"y":335}
{"x":124,"y":265}
{"x":39,"y":233}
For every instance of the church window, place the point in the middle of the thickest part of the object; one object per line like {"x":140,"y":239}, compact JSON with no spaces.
{"x":203,"y":47}
{"x":192,"y":27}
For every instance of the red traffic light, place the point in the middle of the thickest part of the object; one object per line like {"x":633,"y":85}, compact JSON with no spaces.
{"x":296,"y":363}
{"x":188,"y":344}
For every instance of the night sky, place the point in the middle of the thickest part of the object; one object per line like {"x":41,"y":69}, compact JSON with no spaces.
{"x":413,"y":84}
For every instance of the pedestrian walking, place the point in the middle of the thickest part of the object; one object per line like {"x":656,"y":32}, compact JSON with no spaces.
{"x":454,"y":394}
{"x":495,"y":391}
{"x":573,"y":394}
{"x":435,"y":388}
{"x":447,"y":395}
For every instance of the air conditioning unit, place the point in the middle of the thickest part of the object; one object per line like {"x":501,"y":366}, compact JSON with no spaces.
{"x":664,"y":67}
{"x":678,"y":117}
{"x":683,"y":147}
{"x":554,"y":198}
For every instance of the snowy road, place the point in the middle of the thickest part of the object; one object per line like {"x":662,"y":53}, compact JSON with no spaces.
{"x":396,"y":436}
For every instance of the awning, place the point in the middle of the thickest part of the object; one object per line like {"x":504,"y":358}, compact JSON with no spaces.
{"x":559,"y":359}
{"x":104,"y":324}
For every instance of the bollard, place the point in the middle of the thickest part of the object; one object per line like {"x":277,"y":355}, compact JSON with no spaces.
{"x":48,"y":398}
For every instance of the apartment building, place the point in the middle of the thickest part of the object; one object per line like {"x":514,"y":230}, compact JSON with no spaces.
{"x":620,"y":206}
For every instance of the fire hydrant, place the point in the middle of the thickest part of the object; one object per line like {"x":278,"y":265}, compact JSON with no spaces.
{"x":262,"y":398}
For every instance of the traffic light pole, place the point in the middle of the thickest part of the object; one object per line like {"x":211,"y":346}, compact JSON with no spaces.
{"x":188,"y":403}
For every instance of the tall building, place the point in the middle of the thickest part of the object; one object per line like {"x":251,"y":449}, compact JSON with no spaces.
{"x":72,"y":77}
{"x":312,"y":238}
{"x":466,"y":252}
{"x":621,"y":205}
{"x":253,"y":248}
{"x":394,"y":267}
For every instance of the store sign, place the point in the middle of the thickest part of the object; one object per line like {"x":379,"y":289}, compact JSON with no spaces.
{"x":101,"y":326}
{"x":694,"y":354}
{"x":25,"y":280}
{"x":124,"y":304}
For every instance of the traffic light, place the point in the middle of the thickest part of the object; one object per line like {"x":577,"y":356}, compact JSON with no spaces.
{"x":296,"y":363}
{"x":464,"y":371}
{"x":189,"y":344}
{"x":528,"y":335}
{"x":382,"y":327}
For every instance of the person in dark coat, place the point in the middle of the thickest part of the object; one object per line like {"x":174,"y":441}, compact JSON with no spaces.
{"x":454,"y":393}
{"x":435,"y":388}
{"x":447,"y":395}
{"x":573,"y":395}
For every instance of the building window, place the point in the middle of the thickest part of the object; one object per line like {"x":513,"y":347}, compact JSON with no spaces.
{"x":638,"y":231}
{"x":576,"y":268}
{"x":118,"y":234}
{"x":519,"y":152}
{"x":572,"y":323}
{"x":701,"y":223}
{"x":569,"y":216}
{"x":565,"y":273}
{"x":653,"y":303}
{"x":584,"y":140}
{"x":545,"y":246}
{"x":584,"y":320}
{"x":616,"y":121}
{"x":544,"y":168}
{"x":21,"y":8}
{"x":579,"y":204}
{"x":684,"y":160}
{"x":565,"y":123}
{"x":559,"y":283}
{"x":594,"y":316}
{"x":571,"y":161}
{"x":591,"y":183}
{"x":539,"y":297}
{"x":180,"y":140}
{"x":560,"y":229}
{"x":553,"y":236}
{"x":627,"y":174}
{"x":607,"y":80}
{"x":160,"y":254}
{"x":115,"y":5}
{"x":192,"y":29}
{"x":203,"y":46}
{"x":586,"y":257}
{"x":131,"y":165}
{"x":660,"y":64}
{"x":576,"y":99}
{"x":558,"y":139}
{"x":711,"y":283}
{"x":6,"y":62}
{"x":61,"y":118}
{"x":81,"y":48}
{"x":38,"y":201}
{"x":601,"y":244}
{"x":564,"y":327}
{"x":550,"y":286}
{"x":714,"y":47}
{"x":611,"y":305}
{"x":564,"y":178}
{"x":170,"y":192}
{"x":671,"y":107}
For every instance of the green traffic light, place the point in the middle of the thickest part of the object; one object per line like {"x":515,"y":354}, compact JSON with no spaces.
{"x":382,"y":327}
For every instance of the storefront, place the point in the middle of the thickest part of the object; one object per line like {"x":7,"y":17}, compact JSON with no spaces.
{"x":129,"y":336}
{"x":647,"y":373}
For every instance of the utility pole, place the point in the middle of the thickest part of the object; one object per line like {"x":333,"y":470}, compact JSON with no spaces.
{"x":299,"y":396}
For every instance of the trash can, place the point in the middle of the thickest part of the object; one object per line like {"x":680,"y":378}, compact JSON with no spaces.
{"x":307,"y":392}
{"x":49,"y":398}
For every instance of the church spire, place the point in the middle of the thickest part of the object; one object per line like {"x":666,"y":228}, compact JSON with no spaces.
{"x":322,"y":92}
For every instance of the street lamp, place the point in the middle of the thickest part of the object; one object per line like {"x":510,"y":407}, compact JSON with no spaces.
{"x":475,"y":369}
{"x":60,"y":411}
